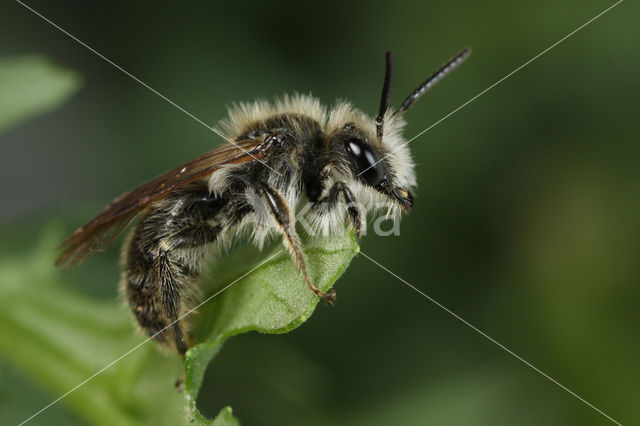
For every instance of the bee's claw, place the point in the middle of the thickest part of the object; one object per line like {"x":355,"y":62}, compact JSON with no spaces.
{"x":329,"y":297}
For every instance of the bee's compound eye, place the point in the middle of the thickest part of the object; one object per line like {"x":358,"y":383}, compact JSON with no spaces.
{"x":367,"y":162}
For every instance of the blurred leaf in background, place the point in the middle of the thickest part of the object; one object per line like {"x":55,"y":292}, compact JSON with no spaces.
{"x":31,"y":85}
{"x":60,"y":338}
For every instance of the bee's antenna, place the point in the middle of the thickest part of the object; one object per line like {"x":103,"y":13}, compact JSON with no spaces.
{"x":384,"y":99}
{"x":432,"y":80}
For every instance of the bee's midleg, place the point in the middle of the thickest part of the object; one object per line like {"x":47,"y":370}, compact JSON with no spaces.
{"x":162,"y":262}
{"x":283,"y":215}
{"x":353,"y":208}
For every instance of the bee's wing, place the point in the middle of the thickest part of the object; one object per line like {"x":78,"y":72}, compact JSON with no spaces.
{"x":106,"y":226}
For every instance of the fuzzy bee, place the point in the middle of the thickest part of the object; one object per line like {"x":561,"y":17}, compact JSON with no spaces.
{"x":339,"y":161}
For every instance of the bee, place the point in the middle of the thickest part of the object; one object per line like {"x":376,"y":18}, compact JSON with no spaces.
{"x":340,"y":161}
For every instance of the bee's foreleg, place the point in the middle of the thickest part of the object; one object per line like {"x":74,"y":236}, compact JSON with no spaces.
{"x":353,"y":207}
{"x":285,"y":219}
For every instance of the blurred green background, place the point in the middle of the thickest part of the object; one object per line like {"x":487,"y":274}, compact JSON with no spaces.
{"x":527,"y":216}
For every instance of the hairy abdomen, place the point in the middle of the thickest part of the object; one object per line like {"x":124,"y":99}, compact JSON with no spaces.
{"x":162,"y":260}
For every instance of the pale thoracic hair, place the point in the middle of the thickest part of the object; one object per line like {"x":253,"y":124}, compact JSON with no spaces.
{"x":392,"y":145}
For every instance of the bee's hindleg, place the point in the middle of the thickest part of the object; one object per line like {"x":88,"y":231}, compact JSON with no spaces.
{"x":353,"y":208}
{"x":154,"y":296}
{"x":283,"y":215}
{"x":170,"y":296}
{"x":161,"y":266}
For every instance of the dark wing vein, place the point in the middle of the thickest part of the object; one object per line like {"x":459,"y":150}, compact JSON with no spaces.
{"x":106,"y":226}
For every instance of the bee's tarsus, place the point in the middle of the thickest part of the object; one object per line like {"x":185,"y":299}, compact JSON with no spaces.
{"x":357,"y":229}
{"x":329,"y":297}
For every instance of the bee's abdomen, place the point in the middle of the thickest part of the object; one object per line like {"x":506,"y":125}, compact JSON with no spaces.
{"x":163,"y":259}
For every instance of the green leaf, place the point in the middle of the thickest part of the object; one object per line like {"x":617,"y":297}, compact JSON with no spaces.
{"x":270,"y":299}
{"x":225,"y":418}
{"x":60,"y":338}
{"x":31,"y":85}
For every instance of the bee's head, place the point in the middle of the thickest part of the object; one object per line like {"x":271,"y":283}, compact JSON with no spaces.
{"x":384,"y":166}
{"x":376,"y":153}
